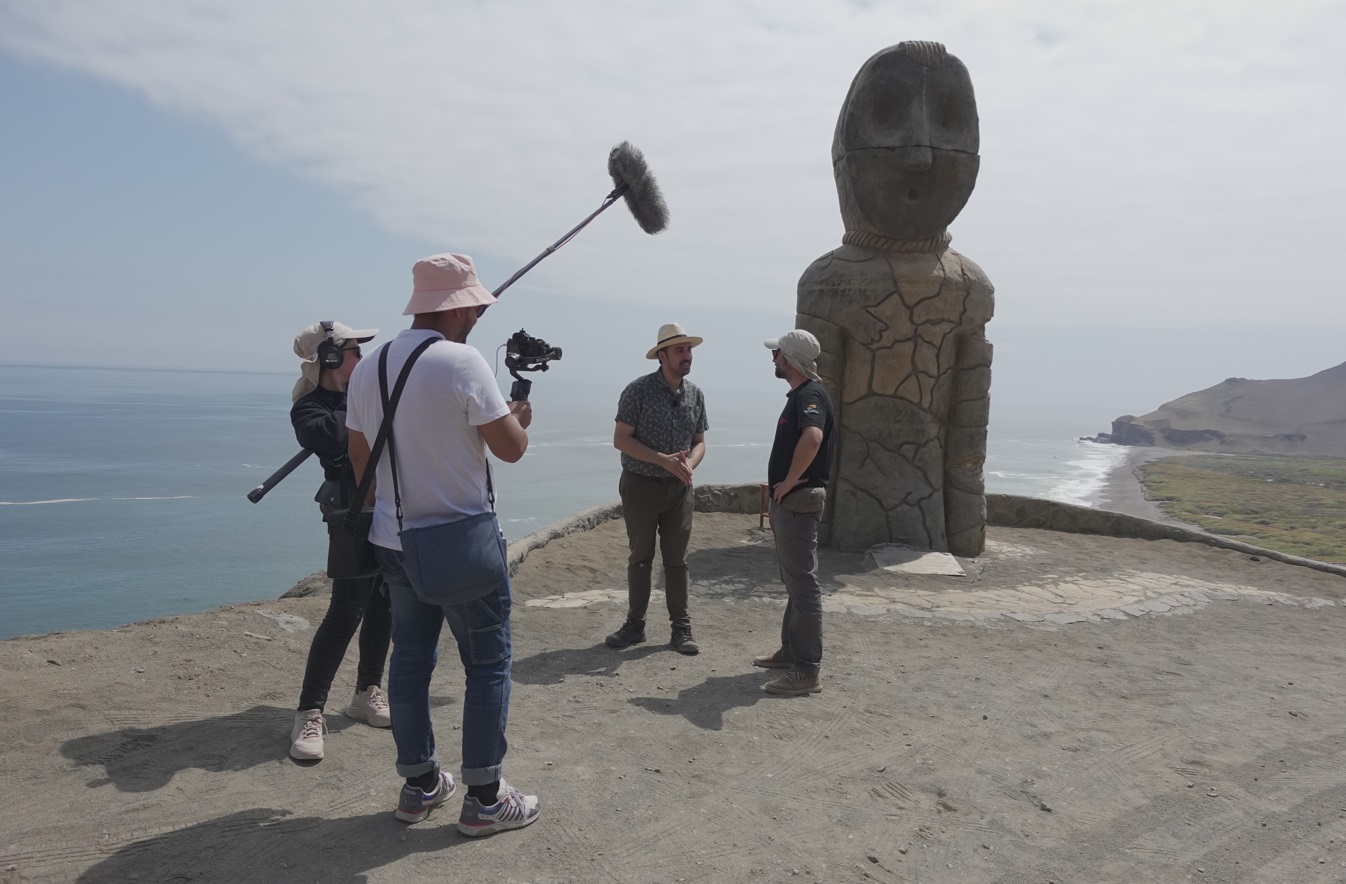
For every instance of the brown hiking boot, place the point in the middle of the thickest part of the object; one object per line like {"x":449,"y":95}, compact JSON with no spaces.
{"x":777,"y":659}
{"x":794,"y":684}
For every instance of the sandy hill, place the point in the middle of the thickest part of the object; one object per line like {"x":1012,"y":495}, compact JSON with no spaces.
{"x":1288,"y":416}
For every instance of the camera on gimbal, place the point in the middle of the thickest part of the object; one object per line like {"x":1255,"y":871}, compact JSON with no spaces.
{"x":523,"y":352}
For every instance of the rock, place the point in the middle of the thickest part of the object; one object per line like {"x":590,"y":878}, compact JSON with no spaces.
{"x":315,"y":584}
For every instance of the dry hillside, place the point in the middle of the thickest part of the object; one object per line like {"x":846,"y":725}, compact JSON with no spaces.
{"x":1285,"y":416}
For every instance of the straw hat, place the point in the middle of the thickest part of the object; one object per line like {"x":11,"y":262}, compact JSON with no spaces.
{"x":669,"y":335}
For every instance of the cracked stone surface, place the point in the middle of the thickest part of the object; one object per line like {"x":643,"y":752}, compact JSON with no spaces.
{"x":901,"y":316}
{"x":1007,"y":585}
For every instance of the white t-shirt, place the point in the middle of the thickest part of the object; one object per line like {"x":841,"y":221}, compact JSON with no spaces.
{"x":441,"y":457}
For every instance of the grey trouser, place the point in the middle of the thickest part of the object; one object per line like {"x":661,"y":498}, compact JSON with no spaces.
{"x":801,"y":631}
{"x":653,"y":506}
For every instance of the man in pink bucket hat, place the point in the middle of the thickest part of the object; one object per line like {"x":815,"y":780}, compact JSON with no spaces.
{"x":450,"y":414}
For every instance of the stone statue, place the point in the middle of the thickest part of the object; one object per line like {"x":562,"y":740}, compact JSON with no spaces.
{"x":901,"y":316}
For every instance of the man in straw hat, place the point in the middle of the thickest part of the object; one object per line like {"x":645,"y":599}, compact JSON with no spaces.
{"x":451,"y":412}
{"x":801,"y":461}
{"x":661,"y":433}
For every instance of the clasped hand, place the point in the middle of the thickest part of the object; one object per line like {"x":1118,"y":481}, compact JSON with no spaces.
{"x":678,"y":464}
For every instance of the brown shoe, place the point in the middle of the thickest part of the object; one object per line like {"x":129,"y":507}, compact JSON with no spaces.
{"x":794,"y":684}
{"x":778,"y":659}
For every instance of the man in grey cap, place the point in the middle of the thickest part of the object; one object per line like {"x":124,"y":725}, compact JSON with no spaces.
{"x":661,"y":433}
{"x":801,"y":461}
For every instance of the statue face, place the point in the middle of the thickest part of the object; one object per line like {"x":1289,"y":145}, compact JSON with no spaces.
{"x":905,"y":150}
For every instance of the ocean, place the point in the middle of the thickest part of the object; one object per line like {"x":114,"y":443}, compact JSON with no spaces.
{"x":123,"y":491}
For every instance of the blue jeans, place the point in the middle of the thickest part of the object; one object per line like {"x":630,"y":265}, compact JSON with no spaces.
{"x":481,"y":628}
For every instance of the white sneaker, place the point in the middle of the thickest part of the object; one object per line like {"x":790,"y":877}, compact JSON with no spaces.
{"x":512,"y":810}
{"x":371,"y":707}
{"x":306,"y":737}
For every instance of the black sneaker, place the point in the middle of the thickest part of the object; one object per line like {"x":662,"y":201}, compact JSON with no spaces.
{"x":683,"y":642}
{"x":631,"y":633}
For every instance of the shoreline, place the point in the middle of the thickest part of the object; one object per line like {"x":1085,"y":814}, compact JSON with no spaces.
{"x":1124,"y":493}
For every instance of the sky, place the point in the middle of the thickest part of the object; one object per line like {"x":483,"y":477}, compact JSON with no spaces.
{"x":188,"y":184}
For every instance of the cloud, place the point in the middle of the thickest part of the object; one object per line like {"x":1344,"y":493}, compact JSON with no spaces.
{"x":1140,"y":159}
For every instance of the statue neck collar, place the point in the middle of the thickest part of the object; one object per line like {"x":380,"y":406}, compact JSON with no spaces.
{"x":879,"y":243}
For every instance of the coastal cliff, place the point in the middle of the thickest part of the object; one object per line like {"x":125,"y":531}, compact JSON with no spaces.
{"x":1242,"y":416}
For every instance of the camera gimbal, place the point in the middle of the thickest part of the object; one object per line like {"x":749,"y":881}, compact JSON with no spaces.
{"x":524,"y":352}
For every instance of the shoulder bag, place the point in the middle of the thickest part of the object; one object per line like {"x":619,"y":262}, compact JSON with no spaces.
{"x":349,"y":553}
{"x":455,"y":562}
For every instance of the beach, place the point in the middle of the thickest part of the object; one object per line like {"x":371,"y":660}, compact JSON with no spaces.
{"x":1123,"y":492}
{"x":1072,"y":708}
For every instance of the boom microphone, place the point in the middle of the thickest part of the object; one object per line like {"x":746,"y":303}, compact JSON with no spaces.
{"x":633,"y":181}
{"x":626,"y":165}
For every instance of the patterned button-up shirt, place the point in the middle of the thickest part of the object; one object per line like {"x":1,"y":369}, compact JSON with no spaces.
{"x":664,"y":421}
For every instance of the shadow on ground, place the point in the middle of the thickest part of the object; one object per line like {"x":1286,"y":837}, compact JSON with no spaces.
{"x":143,"y":759}
{"x":745,"y":570}
{"x":267,"y":845}
{"x":705,"y":704}
{"x":598,"y":661}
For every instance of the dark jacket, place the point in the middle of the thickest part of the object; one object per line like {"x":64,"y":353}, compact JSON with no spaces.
{"x":319,"y":421}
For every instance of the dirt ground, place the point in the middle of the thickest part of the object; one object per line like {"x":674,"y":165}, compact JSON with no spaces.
{"x":1075,"y":709}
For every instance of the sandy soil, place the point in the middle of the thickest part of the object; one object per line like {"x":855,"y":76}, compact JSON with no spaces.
{"x":1075,"y":709}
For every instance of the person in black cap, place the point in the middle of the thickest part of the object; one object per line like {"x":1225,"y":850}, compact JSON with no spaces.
{"x":801,"y":461}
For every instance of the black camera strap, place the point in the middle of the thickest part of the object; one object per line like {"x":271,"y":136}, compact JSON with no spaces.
{"x":386,"y":427}
{"x":389,"y":405}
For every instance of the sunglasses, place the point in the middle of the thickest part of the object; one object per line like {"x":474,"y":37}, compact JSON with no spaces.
{"x":355,"y":350}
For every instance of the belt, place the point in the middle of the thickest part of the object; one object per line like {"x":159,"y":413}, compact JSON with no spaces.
{"x":663,"y":480}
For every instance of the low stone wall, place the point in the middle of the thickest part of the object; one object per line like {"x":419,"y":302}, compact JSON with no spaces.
{"x":709,"y":499}
{"x":1012,"y":511}
{"x":745,"y":498}
{"x":583,"y":521}
{"x":1002,"y":510}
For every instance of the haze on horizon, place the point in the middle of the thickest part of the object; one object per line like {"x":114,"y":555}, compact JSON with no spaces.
{"x":188,"y":184}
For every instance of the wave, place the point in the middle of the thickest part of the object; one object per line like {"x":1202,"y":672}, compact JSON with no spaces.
{"x":1070,"y":471}
{"x":1092,"y":471}
{"x":87,"y":500}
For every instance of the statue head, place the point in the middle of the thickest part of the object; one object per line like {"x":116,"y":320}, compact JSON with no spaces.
{"x":905,"y":150}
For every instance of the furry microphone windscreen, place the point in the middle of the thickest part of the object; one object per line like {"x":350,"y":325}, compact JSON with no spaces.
{"x":626,"y":165}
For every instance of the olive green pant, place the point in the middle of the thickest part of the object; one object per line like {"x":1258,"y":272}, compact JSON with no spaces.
{"x":653,"y":507}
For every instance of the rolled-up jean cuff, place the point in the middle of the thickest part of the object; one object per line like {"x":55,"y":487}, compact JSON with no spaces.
{"x":482,"y":776}
{"x":408,"y":771}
